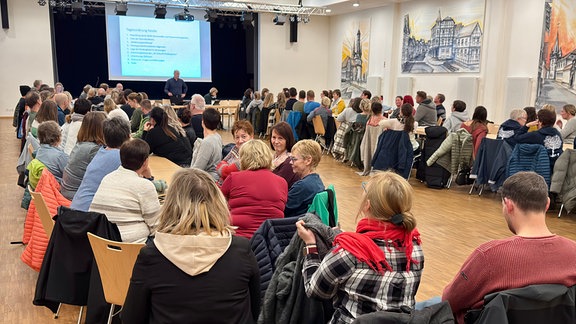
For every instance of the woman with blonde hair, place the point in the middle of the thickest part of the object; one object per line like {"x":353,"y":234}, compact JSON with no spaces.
{"x":184,"y":275}
{"x":254,"y":194}
{"x":305,"y":157}
{"x":376,"y":268}
{"x":568,"y":131}
{"x":112,"y":110}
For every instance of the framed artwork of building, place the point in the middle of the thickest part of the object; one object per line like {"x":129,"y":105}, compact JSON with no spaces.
{"x":557,"y":68}
{"x":447,"y":39}
{"x":355,"y":55}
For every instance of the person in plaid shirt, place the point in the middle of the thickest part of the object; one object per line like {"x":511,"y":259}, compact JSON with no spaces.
{"x":376,"y":268}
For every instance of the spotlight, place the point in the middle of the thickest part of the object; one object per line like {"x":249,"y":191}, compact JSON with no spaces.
{"x":279,"y":20}
{"x":306,"y":19}
{"x":121,"y":9}
{"x":160,"y":11}
{"x":184,"y":16}
{"x":356,"y":4}
{"x":328,"y":10}
{"x":42,"y":2}
{"x":247,"y":19}
{"x":211,"y":16}
{"x":77,"y":9}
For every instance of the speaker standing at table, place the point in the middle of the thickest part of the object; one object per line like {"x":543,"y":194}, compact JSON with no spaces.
{"x":176,"y":89}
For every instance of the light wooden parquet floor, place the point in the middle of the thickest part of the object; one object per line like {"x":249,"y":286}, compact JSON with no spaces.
{"x":452,"y":224}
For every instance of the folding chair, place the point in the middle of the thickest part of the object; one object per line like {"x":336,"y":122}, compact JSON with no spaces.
{"x":320,"y":131}
{"x":115,"y":262}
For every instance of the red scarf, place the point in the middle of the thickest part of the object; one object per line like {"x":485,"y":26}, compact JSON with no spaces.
{"x":361,"y":243}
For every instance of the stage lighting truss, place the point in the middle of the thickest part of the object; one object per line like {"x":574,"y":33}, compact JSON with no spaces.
{"x":223,"y":8}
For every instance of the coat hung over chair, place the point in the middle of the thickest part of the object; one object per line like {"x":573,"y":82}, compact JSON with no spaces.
{"x":394,"y":151}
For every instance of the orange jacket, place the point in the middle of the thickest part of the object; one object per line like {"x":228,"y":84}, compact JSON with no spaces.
{"x":34,"y":235}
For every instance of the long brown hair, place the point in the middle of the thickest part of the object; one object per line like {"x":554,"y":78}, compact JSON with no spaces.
{"x":92,"y":129}
{"x":48,"y":111}
{"x":407,"y":117}
{"x":161,"y":119}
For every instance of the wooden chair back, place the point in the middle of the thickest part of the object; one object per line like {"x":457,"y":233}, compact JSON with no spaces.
{"x":318,"y":126}
{"x":43,"y":212}
{"x":115,"y":262}
{"x":493,"y":128}
{"x":166,"y":101}
{"x":439,"y":121}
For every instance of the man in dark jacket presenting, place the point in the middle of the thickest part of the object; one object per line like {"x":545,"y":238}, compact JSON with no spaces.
{"x":176,"y":89}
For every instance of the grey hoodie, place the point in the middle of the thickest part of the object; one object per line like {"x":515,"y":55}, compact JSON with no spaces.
{"x":193,"y":254}
{"x":426,"y":113}
{"x":455,"y":120}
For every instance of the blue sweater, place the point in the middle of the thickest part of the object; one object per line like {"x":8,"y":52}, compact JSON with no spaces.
{"x":104,"y":162}
{"x":301,"y":194}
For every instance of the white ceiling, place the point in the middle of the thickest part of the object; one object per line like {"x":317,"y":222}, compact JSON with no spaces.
{"x":338,"y":7}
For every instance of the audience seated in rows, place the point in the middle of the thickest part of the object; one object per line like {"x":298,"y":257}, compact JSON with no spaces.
{"x":458,"y":116}
{"x":299,"y":105}
{"x":208,"y":150}
{"x":546,"y":135}
{"x":112,"y":110}
{"x":338,"y":104}
{"x":533,"y":255}
{"x":185,"y":118}
{"x":477,"y":127}
{"x":165,"y":140}
{"x":48,"y":153}
{"x":511,"y":127}
{"x":125,"y":105}
{"x":440,"y":110}
{"x":48,"y":111}
{"x":72,"y":126}
{"x":282,"y":141}
{"x":221,"y":285}
{"x":63,"y":106}
{"x":323,"y":111}
{"x":405,"y":123}
{"x":426,"y":111}
{"x":116,"y":131}
{"x":90,"y":140}
{"x":376,"y":268}
{"x":134,"y":100}
{"x":242,"y":131}
{"x":127,"y":197}
{"x":306,"y":155}
{"x":568,"y":131}
{"x":255,"y":193}
{"x":141,"y":114}
{"x":197,"y":105}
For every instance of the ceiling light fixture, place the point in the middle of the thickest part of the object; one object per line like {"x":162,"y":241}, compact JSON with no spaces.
{"x":279,"y":20}
{"x":121,"y":9}
{"x":356,"y":4}
{"x":211,"y":16}
{"x":328,"y":10}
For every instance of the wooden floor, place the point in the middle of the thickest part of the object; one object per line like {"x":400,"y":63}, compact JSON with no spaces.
{"x":452,"y":224}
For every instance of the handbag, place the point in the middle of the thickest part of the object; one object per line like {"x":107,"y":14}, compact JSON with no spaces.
{"x":463,"y":177}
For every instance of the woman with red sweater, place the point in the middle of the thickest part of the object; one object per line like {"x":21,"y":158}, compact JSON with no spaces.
{"x":242,"y":131}
{"x":477,"y":127}
{"x":255,"y":193}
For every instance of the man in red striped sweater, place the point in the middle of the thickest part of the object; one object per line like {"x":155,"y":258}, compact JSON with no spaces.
{"x":532,"y":256}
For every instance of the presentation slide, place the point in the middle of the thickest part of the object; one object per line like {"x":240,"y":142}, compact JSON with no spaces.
{"x":149,"y":49}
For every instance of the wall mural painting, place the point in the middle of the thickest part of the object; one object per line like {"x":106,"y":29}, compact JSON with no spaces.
{"x":355,"y":54}
{"x":557,"y":68}
{"x":446,"y":40}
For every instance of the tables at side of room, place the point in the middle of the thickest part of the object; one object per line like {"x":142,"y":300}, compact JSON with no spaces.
{"x":162,"y":168}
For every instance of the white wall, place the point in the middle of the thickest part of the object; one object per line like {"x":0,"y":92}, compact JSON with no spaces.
{"x":511,"y":45}
{"x":25,"y":51}
{"x":303,"y":64}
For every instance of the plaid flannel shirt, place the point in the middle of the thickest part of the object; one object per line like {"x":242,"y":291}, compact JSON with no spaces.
{"x":356,"y":289}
